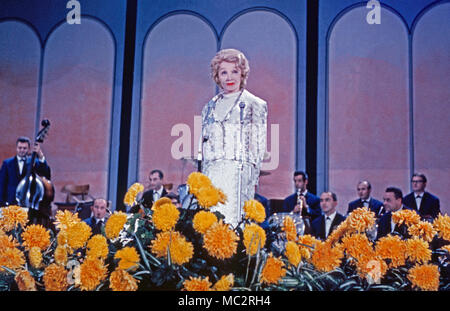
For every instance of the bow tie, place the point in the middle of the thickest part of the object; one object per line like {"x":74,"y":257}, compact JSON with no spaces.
{"x":364,"y":201}
{"x":418,"y":197}
{"x":21,"y":159}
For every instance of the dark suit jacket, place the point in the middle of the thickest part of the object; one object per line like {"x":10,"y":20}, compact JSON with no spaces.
{"x":10,"y":177}
{"x":318,"y":225}
{"x":374,"y":206}
{"x":384,"y":225}
{"x":429,"y":206}
{"x":92,"y":222}
{"x":148,"y":198}
{"x":266,"y":204}
{"x":312,"y":201}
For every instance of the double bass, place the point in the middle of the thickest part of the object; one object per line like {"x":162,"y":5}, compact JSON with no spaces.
{"x":33,"y":189}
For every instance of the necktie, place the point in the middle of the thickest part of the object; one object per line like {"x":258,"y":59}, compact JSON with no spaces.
{"x":21,"y":165}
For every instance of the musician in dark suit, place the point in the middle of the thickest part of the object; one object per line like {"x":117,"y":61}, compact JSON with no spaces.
{"x":310,"y":206}
{"x":364,"y":189}
{"x":322,"y":226}
{"x":392,"y":202}
{"x":426,"y":204}
{"x":156,"y":189}
{"x":100,"y":213}
{"x":14,"y":169}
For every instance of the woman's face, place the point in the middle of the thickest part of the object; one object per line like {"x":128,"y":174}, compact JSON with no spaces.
{"x":229,"y":77}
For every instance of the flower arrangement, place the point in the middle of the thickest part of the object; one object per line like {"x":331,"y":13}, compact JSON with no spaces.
{"x":164,"y":247}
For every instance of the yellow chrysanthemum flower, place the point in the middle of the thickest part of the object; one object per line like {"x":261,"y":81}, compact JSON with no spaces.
{"x":65,"y":219}
{"x":406,"y":216}
{"x":358,"y":245}
{"x":35,"y":257}
{"x":60,"y":255}
{"x":78,"y":234}
{"x":122,"y":281}
{"x":422,"y":230}
{"x":115,"y":224}
{"x":129,"y":258}
{"x":11,"y":258}
{"x":181,"y":251}
{"x":344,"y":228}
{"x":165,"y":216}
{"x":7,"y":241}
{"x":92,"y":272}
{"x":203,"y":220}
{"x":289,"y":228}
{"x":393,"y":248}
{"x":220,"y":241}
{"x":133,"y":191}
{"x":255,"y":211}
{"x":442,"y":225}
{"x":161,"y":201}
{"x":425,"y":277}
{"x":208,"y":197}
{"x":327,"y":258}
{"x":361,"y":219}
{"x":12,"y":217}
{"x":293,"y":253}
{"x":418,"y":250}
{"x":254,"y":238}
{"x":225,"y":283}
{"x":97,"y":246}
{"x":55,"y":278}
{"x":36,"y":235}
{"x":307,"y":239}
{"x":196,"y":181}
{"x":24,"y":281}
{"x":197,"y":284}
{"x":273,"y":270}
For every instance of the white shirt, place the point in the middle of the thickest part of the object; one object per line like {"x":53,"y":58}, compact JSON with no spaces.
{"x":366,"y":203}
{"x":418,"y":200}
{"x":21,"y":163}
{"x":157,"y":194}
{"x":328,"y":221}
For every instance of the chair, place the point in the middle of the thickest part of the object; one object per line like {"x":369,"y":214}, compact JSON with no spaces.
{"x":77,"y":198}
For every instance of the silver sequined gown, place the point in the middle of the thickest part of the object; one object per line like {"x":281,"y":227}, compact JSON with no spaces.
{"x":220,"y":146}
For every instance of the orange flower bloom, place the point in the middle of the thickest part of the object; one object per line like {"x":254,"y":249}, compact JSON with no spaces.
{"x":60,"y":255}
{"x":197,"y":180}
{"x":7,"y":241}
{"x":24,"y":280}
{"x":358,"y":245}
{"x":220,"y":241}
{"x":327,"y":258}
{"x":66,"y":219}
{"x":120,"y":280}
{"x":35,"y":257}
{"x":425,"y":277}
{"x":293,"y":253}
{"x":115,"y":224}
{"x":92,"y":272}
{"x":254,"y":210}
{"x":406,"y":216}
{"x":36,"y":235}
{"x":133,"y":191}
{"x":418,"y":250}
{"x":361,"y":219}
{"x":393,"y":248}
{"x":11,"y":258}
{"x":181,"y":251}
{"x":197,"y":284}
{"x":289,"y":228}
{"x":78,"y":234}
{"x":129,"y":258}
{"x":97,"y":247}
{"x":273,"y":270}
{"x":203,"y":220}
{"x":254,"y":238}
{"x":208,"y":196}
{"x":423,"y":230}
{"x":442,"y":226}
{"x":12,"y":217}
{"x":225,"y":283}
{"x":55,"y":278}
{"x":165,"y":216}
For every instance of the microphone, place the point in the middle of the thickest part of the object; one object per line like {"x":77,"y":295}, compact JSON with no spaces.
{"x":242,"y":106}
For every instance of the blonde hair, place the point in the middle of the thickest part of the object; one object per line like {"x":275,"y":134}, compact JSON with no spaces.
{"x":231,"y":56}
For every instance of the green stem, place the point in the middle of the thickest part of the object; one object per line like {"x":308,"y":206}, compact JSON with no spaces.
{"x":141,"y":250}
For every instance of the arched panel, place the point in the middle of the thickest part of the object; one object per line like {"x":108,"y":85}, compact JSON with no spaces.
{"x":20,"y":54}
{"x":77,"y":95}
{"x":368,"y":104}
{"x":270,"y":45}
{"x":431,"y":100}
{"x":176,"y":84}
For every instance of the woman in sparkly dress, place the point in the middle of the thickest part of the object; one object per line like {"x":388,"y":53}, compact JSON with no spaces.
{"x":234,"y":130}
